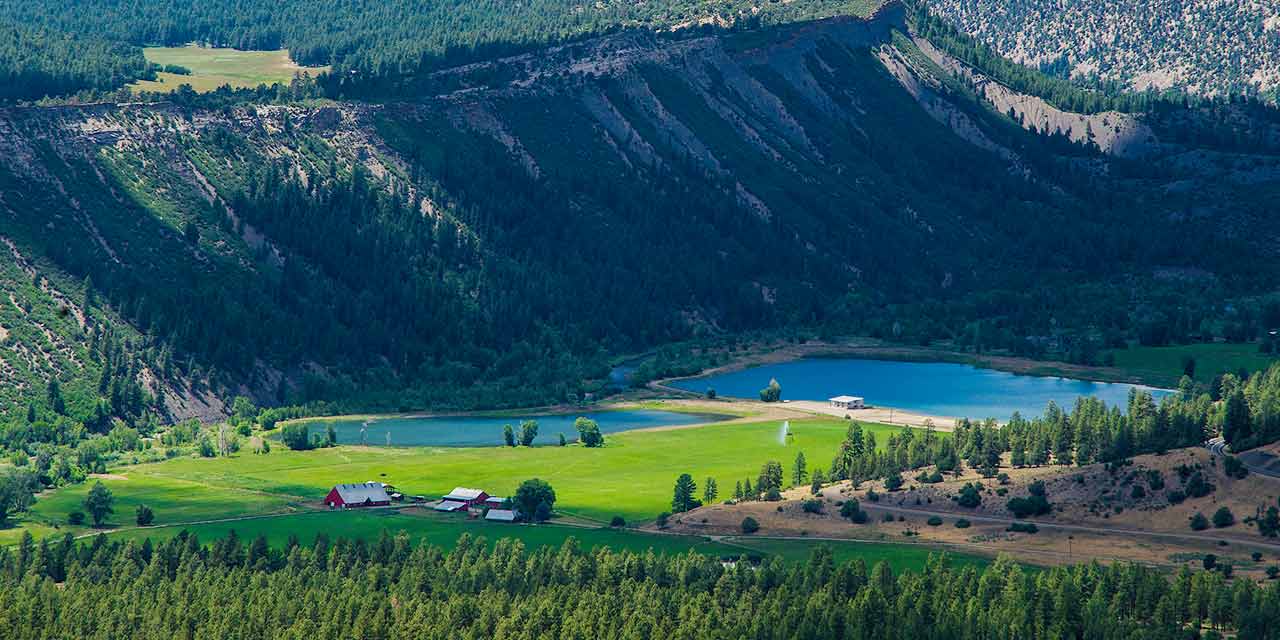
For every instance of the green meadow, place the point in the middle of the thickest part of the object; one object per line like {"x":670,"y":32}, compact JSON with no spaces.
{"x":444,"y":531}
{"x":212,"y":68}
{"x":632,"y":476}
{"x":1163,"y":365}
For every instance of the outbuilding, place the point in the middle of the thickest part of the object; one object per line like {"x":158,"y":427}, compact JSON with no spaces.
{"x":500,"y":515}
{"x":350,"y":496}
{"x":494,"y":502}
{"x":450,"y":506}
{"x":847,"y":402}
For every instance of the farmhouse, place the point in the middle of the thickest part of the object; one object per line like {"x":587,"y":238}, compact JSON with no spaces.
{"x":847,"y":402}
{"x":470,"y":497}
{"x":348,"y":496}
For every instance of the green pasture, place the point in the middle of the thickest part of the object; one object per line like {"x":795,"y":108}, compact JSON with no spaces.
{"x":212,"y":68}
{"x":632,"y":476}
{"x":278,"y":494}
{"x":1163,"y":365}
{"x":444,"y":530}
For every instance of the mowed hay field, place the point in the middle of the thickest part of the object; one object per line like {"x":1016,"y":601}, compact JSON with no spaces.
{"x":632,"y":476}
{"x":213,"y":68}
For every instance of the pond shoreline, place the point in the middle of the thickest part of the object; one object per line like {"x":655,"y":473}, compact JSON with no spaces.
{"x":790,"y":352}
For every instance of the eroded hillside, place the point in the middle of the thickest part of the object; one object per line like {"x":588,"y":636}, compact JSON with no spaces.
{"x":502,"y":235}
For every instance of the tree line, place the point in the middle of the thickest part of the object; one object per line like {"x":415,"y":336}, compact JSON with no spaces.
{"x":148,"y":589}
{"x":1091,"y":432}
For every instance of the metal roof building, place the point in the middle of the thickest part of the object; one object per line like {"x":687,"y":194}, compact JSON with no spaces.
{"x":501,"y":515}
{"x":365,"y":494}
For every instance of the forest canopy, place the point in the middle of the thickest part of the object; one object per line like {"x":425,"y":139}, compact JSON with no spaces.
{"x":393,"y":589}
{"x":54,"y":47}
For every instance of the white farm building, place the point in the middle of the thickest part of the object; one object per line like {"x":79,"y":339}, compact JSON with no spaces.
{"x":847,"y":402}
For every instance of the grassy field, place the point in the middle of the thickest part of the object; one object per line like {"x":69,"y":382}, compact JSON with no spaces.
{"x":213,"y":68}
{"x":1163,"y":365}
{"x":632,"y":476}
{"x":444,"y":531}
{"x":277,"y":495}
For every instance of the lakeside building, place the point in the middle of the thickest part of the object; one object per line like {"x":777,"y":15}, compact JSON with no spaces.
{"x":847,"y":402}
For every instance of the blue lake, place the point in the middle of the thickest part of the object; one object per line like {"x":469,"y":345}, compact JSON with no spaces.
{"x":933,"y":388}
{"x":486,"y":431}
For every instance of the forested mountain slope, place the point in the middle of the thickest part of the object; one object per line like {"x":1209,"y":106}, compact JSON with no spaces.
{"x":55,"y":47}
{"x":1204,"y":46}
{"x":498,"y":237}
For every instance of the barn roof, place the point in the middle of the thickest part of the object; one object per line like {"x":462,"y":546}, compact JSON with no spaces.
{"x":362,"y":492}
{"x":449,"y":505}
{"x":464,"y":494}
{"x":845,"y":398}
{"x":502,"y":515}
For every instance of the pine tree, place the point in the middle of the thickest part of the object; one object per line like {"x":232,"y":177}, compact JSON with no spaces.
{"x":683,"y":498}
{"x":798,"y":472}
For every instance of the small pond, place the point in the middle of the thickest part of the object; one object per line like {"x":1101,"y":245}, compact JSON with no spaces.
{"x":484,"y":431}
{"x":931,"y":388}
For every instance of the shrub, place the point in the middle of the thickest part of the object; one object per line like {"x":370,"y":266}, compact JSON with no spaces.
{"x":296,"y":436}
{"x":853,"y":511}
{"x":962,"y":524}
{"x":662,"y":520}
{"x":75,"y":518}
{"x":888,"y":517}
{"x":144,"y":515}
{"x":1256,"y":556}
{"x":1003,"y":478}
{"x":1023,"y":527}
{"x":749,"y":525}
{"x":1036,"y":504}
{"x":1199,"y":522}
{"x":617,"y":522}
{"x":1234,"y":468}
{"x":1196,"y":486}
{"x":1138,"y":492}
{"x":1155,"y":479}
{"x":812,"y":506}
{"x":1223,"y":518}
{"x":1209,"y":561}
{"x":934,"y":521}
{"x":970,"y":495}
{"x":1273,"y":572}
{"x":1175,"y":496}
{"x":893,"y":482}
{"x":872,"y":495}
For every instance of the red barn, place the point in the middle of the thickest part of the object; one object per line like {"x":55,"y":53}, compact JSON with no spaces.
{"x":348,"y":496}
{"x":470,"y":497}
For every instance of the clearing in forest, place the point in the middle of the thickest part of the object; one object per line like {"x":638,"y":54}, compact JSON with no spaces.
{"x":212,"y":68}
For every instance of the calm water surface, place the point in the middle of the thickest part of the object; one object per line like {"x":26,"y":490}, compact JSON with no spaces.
{"x":934,"y":388}
{"x":472,"y":431}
